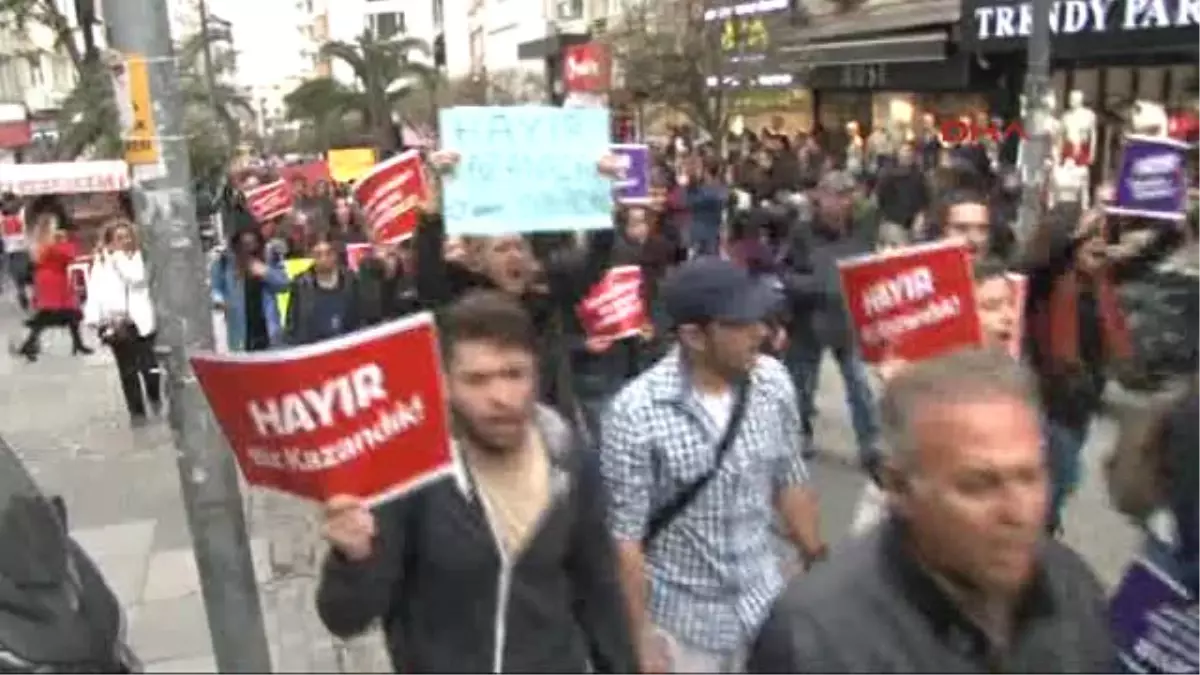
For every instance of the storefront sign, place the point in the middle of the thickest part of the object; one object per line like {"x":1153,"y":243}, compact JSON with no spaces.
{"x":957,"y":131}
{"x":1084,"y":27}
{"x":586,"y":68}
{"x":943,"y":75}
{"x":64,"y":177}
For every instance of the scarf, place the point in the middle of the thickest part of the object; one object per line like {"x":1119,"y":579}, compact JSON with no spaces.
{"x":1057,"y":326}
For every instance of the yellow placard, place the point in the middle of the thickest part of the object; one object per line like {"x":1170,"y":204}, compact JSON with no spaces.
{"x":347,"y":164}
{"x":141,"y":143}
{"x":294,"y":267}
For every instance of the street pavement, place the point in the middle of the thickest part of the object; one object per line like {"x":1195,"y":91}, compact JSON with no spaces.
{"x":65,"y":417}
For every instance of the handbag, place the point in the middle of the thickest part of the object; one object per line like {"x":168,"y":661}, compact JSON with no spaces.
{"x":122,"y":328}
{"x":664,"y":516}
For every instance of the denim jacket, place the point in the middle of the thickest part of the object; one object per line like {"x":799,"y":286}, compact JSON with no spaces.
{"x":229,"y":290}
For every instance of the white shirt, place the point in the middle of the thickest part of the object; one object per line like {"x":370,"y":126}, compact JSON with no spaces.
{"x":118,"y":286}
{"x":718,"y":407}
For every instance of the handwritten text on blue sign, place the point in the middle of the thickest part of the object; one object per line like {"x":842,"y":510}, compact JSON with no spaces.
{"x":526,"y":169}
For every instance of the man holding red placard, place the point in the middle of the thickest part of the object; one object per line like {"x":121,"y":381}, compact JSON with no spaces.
{"x":505,"y":568}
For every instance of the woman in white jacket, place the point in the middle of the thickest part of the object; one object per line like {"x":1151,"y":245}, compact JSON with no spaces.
{"x":119,"y":307}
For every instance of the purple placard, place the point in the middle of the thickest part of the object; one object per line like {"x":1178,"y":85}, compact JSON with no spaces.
{"x":1154,"y":622}
{"x":1152,"y":182}
{"x":634,"y":185}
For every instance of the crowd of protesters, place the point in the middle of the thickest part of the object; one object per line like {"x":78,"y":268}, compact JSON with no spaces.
{"x":688,"y":442}
{"x":645,"y":504}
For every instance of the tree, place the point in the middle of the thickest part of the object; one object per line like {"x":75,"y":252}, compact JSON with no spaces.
{"x":322,"y":105}
{"x":385,"y":75}
{"x":667,"y":54}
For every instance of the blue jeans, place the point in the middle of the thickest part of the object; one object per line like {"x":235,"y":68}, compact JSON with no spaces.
{"x":804,"y":362}
{"x":1064,"y":444}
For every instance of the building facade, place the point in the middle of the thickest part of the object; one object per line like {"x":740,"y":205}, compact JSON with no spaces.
{"x":383,"y":19}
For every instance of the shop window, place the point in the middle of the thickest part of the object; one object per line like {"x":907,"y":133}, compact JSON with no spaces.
{"x":1150,"y":84}
{"x":1058,"y":85}
{"x":1086,"y":81}
{"x":1184,"y":84}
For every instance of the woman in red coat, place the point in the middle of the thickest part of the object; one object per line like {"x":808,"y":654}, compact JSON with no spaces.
{"x":55,"y":301}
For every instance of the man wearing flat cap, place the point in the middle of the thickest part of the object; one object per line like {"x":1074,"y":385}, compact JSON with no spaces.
{"x":699,"y":454}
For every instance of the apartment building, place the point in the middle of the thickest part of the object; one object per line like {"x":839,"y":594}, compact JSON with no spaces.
{"x":347,"y":19}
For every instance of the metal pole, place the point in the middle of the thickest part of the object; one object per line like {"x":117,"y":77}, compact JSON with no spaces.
{"x":166,"y":212}
{"x":1037,"y":147}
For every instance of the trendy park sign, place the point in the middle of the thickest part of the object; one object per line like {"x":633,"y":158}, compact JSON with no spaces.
{"x":988,"y":21}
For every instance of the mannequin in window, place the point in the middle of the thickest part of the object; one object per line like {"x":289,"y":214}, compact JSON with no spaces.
{"x":1149,"y":119}
{"x":1079,"y":131}
{"x":880,"y":153}
{"x":855,"y":150}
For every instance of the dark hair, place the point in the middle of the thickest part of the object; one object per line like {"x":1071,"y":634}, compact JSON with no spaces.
{"x":988,"y":268}
{"x":487,"y":316}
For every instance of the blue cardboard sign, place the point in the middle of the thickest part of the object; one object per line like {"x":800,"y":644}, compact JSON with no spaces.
{"x":1154,"y":622}
{"x":1152,"y":182}
{"x":525,"y":169}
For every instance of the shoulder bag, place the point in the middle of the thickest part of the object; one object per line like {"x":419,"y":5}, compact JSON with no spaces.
{"x":664,"y":516}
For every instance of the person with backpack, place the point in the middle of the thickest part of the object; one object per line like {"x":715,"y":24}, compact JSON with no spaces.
{"x":699,"y":454}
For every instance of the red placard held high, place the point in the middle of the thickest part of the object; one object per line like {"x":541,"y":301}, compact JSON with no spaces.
{"x":614,"y":308}
{"x":912,"y":303}
{"x":270,"y":201}
{"x":363,"y":414}
{"x":390,"y":196}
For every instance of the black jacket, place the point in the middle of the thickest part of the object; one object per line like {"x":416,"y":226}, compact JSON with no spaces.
{"x":811,"y":280}
{"x":569,"y":275}
{"x":381,"y":297}
{"x":298,"y":328}
{"x":451,"y":603}
{"x":902,"y":194}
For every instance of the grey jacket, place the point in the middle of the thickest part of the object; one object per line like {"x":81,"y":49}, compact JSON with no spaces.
{"x":812,"y":282}
{"x":872,"y":609}
{"x":450,"y":601}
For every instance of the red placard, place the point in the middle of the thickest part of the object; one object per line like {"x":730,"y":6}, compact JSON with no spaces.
{"x":390,"y":196}
{"x":308,"y":173}
{"x":13,"y":226}
{"x":614,"y":308}
{"x":912,"y":303}
{"x":355,"y":254}
{"x":363,"y":414}
{"x":1020,"y":288}
{"x":270,"y":201}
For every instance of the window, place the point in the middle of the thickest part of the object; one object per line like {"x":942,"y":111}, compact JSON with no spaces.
{"x":386,"y":25}
{"x":569,"y":10}
{"x":37,"y":77}
{"x":439,"y":11}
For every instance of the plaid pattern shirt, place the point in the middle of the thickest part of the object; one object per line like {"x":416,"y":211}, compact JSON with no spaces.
{"x":715,"y":571}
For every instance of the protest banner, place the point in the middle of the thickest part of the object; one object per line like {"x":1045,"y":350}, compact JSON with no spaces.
{"x":1154,"y":621}
{"x":390,"y":197}
{"x":308,"y":174}
{"x":912,"y":303}
{"x":614,"y":308}
{"x":362,"y":414}
{"x":633,"y":187}
{"x":525,"y":169}
{"x":270,"y":201}
{"x":1020,"y":289}
{"x":1152,"y":181}
{"x":355,"y":254}
{"x":294,"y":268}
{"x":349,"y":164}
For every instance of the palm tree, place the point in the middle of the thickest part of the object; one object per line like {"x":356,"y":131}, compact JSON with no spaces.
{"x":386,"y":76}
{"x":323,"y":105}
{"x":201,"y":89}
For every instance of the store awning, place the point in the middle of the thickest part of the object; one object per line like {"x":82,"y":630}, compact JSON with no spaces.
{"x":878,"y":31}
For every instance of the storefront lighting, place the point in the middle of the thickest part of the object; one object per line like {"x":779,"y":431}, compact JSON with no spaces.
{"x":745,"y":9}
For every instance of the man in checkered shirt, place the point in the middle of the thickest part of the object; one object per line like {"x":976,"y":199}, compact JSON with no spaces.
{"x":698,"y":591}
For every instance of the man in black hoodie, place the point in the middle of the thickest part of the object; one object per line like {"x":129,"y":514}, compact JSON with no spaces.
{"x":504,"y":567}
{"x":902,"y":192}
